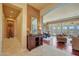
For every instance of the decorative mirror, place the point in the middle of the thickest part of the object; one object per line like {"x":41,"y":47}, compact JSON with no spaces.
{"x":34,"y":24}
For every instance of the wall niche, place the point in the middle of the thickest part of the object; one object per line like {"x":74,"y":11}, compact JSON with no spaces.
{"x":10,"y":29}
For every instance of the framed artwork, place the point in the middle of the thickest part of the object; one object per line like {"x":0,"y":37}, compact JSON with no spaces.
{"x":10,"y":29}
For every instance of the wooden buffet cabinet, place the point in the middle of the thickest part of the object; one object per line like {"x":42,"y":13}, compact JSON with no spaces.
{"x":34,"y":41}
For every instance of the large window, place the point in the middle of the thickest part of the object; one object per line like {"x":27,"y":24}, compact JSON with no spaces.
{"x":77,"y":27}
{"x":67,"y":28}
{"x":71,"y":27}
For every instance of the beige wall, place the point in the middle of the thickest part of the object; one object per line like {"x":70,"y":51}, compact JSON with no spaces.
{"x":18,"y":27}
{"x":32,"y":12}
{"x":1,"y":27}
{"x":23,"y":23}
{"x":24,"y":27}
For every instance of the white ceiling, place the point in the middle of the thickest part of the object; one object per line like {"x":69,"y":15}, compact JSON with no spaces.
{"x":62,"y":11}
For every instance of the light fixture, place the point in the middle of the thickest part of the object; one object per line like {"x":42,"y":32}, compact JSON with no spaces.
{"x":40,"y":28}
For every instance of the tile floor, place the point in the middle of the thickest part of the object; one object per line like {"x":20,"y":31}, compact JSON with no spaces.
{"x":66,"y":47}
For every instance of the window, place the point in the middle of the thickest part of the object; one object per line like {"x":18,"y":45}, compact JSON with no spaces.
{"x":65,"y":28}
{"x":77,"y":27}
{"x":71,"y":27}
{"x":54,"y":28}
{"x":58,"y":27}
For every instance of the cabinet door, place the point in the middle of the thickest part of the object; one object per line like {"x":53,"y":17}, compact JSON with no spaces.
{"x":33,"y":42}
{"x":29,"y":43}
{"x":40,"y":41}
